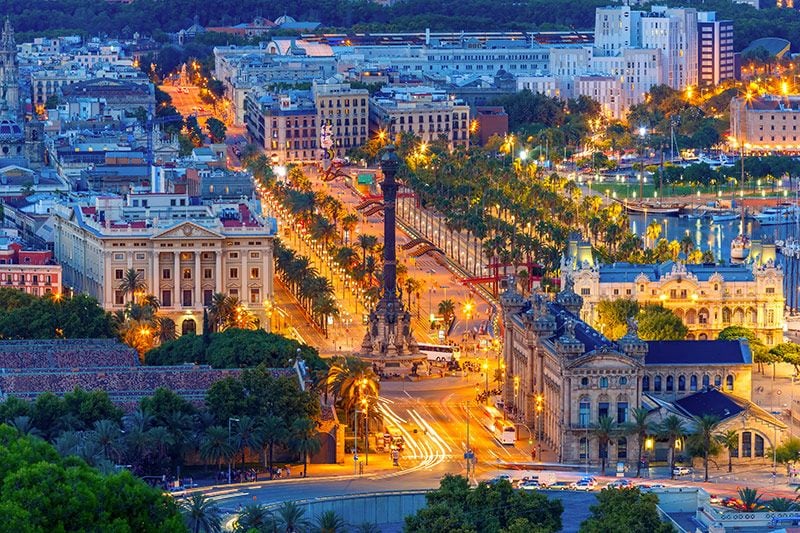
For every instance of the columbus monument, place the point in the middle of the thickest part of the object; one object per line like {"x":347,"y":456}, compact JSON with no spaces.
{"x":389,"y":330}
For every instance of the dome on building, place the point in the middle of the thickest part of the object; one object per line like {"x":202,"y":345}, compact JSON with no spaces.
{"x":10,"y":130}
{"x":283,"y":19}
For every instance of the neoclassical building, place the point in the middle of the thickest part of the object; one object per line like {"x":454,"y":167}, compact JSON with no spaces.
{"x":577,"y":375}
{"x":185,"y":253}
{"x":707,"y":297}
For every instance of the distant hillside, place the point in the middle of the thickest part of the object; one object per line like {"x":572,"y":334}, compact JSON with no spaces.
{"x":93,"y":17}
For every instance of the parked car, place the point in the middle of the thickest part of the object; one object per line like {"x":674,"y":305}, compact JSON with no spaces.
{"x":559,"y":485}
{"x":498,"y":479}
{"x":530,"y":484}
{"x":681,"y":471}
{"x":584,"y":484}
{"x":620,"y":484}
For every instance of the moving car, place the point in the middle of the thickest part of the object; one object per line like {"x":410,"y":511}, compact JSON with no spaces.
{"x":531,"y":484}
{"x":559,"y":485}
{"x":498,"y":479}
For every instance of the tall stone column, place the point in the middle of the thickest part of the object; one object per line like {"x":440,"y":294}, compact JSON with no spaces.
{"x":198,"y":296}
{"x":219,"y":275}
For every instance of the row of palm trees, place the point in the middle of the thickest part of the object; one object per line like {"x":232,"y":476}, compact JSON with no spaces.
{"x":703,"y":440}
{"x":203,"y":515}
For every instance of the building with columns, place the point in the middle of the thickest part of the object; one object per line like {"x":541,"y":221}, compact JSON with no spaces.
{"x":707,"y":297}
{"x":185,"y":252}
{"x":563,"y":376}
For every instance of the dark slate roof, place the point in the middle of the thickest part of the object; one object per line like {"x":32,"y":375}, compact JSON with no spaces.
{"x":590,"y":337}
{"x":693,"y":352}
{"x":710,"y":402}
{"x":627,"y":272}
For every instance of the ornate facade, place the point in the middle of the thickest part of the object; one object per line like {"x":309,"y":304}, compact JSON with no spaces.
{"x":707,"y":297}
{"x":563,"y":376}
{"x":185,"y":253}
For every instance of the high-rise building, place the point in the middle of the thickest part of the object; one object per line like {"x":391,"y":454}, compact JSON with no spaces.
{"x":674,"y":32}
{"x":346,"y":110}
{"x":715,"y":49}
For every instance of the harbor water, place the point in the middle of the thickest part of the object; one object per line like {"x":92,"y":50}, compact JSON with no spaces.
{"x":717,"y":236}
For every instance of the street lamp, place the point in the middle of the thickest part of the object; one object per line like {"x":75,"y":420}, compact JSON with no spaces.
{"x":231,"y":419}
{"x":486,"y":375}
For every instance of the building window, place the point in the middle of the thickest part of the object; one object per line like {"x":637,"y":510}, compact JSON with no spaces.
{"x":602,"y":409}
{"x":585,"y":291}
{"x":166,"y":298}
{"x":208,"y":296}
{"x":603,"y":383}
{"x":646,"y":384}
{"x":693,"y":383}
{"x":119,"y":297}
{"x":207,"y":273}
{"x":670,"y":383}
{"x":584,"y":447}
{"x":234,"y":293}
{"x":234,"y":273}
{"x":657,"y":384}
{"x":747,"y":444}
{"x":118,"y":273}
{"x":706,"y":381}
{"x":119,"y":257}
{"x":255,"y":255}
{"x":681,"y":383}
{"x":254,"y":273}
{"x":622,"y":412}
{"x":729,"y":383}
{"x":234,"y":255}
{"x":166,"y":273}
{"x":622,"y":448}
{"x":255,"y":296}
{"x":718,"y":381}
{"x":623,"y":380}
{"x":187,"y":298}
{"x":584,"y":382}
{"x":187,"y":273}
{"x":584,"y":412}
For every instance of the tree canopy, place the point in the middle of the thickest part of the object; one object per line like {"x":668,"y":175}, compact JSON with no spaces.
{"x":496,"y":508}
{"x":625,"y":509}
{"x":234,"y":348}
{"x":23,"y":316}
{"x":41,"y":492}
{"x":657,"y":323}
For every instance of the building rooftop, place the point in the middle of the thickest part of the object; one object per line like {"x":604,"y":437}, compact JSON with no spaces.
{"x":714,"y":352}
{"x":628,"y":272}
{"x":710,"y":402}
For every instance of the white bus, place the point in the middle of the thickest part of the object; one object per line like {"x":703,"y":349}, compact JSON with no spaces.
{"x":440,"y":352}
{"x":504,"y":430}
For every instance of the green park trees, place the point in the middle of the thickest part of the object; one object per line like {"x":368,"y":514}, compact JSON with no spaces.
{"x":496,"y":508}
{"x":655,"y":321}
{"x":625,"y":509}
{"x":42,"y":491}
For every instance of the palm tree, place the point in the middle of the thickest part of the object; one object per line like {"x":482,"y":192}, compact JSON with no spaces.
{"x":166,"y":329}
{"x":24,"y":426}
{"x":273,"y":431}
{"x":215,"y":446}
{"x":605,"y":430}
{"x":132,"y":282}
{"x":366,"y":242}
{"x":749,"y":500}
{"x":349,"y":223}
{"x":107,"y":434}
{"x":673,"y":429}
{"x":291,"y":518}
{"x":706,"y":425}
{"x":254,"y":517}
{"x":304,"y":440}
{"x":201,"y":514}
{"x":247,"y":436}
{"x":782,"y":505}
{"x":653,"y":231}
{"x":368,"y":527}
{"x":448,"y":311}
{"x":730,"y":441}
{"x":330,"y":522}
{"x":350,"y":379}
{"x":221,"y":312}
{"x":640,"y":427}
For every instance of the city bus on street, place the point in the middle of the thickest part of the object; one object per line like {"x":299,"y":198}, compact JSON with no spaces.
{"x":504,"y":430}
{"x":440,"y":352}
